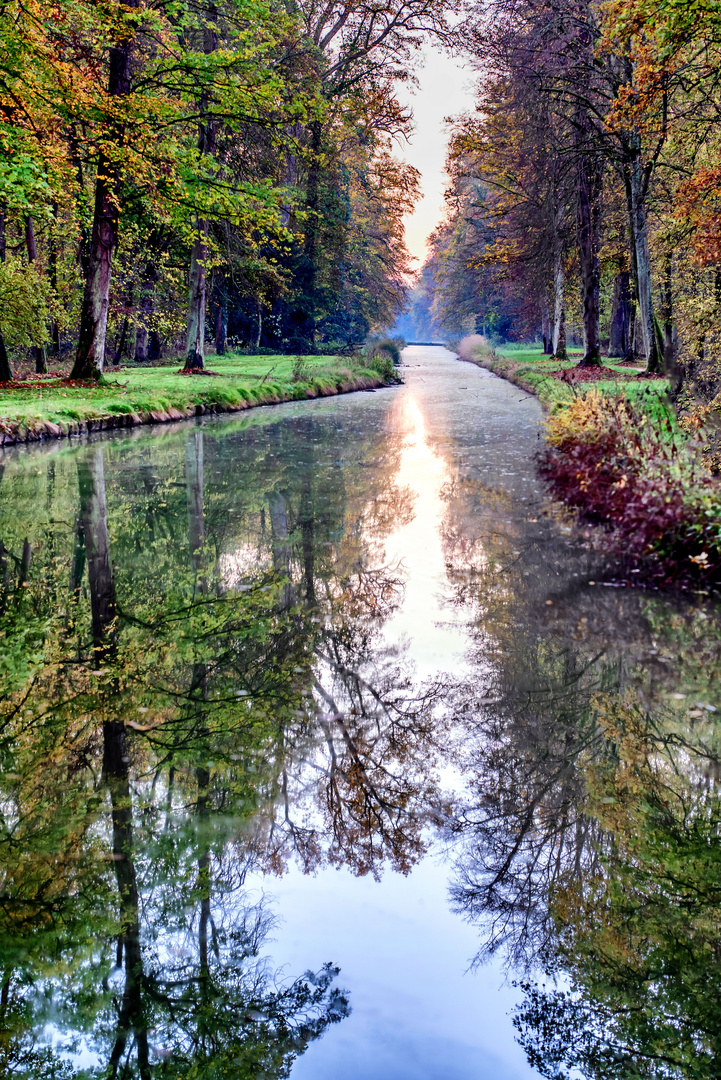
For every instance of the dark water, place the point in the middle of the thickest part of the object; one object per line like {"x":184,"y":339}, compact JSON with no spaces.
{"x":319,"y":730}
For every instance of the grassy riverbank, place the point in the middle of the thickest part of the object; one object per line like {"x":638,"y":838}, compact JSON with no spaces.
{"x":558,"y":382}
{"x":37,"y":407}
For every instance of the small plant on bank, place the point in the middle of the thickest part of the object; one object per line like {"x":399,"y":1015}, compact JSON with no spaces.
{"x":300,"y":371}
{"x":383,"y":364}
{"x":636,"y":474}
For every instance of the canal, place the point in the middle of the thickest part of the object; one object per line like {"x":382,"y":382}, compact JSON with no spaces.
{"x":331,"y":748}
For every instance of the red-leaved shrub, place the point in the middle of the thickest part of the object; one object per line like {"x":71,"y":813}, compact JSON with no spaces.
{"x":621,"y":468}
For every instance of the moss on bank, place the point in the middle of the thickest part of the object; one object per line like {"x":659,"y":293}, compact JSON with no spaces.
{"x":51,"y":408}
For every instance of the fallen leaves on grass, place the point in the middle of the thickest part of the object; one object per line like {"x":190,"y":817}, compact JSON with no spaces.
{"x":596,"y":374}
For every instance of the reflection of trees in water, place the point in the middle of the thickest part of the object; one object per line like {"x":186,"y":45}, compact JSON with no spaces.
{"x":526,"y":733}
{"x":589,"y":839}
{"x":169,"y":734}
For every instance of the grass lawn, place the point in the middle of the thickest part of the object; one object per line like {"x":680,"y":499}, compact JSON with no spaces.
{"x":530,"y":369}
{"x":133,"y":395}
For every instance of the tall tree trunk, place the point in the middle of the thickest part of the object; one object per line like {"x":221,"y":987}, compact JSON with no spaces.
{"x":90,"y":356}
{"x":667,"y":313}
{"x":588,"y":220}
{"x":559,"y":305}
{"x":546,"y":323}
{"x":38,"y":351}
{"x":309,"y":264}
{"x":5,"y":370}
{"x":123,"y":337}
{"x":198,"y":277}
{"x":195,"y":348}
{"x":639,"y":222}
{"x":259,"y":330}
{"x":53,"y":269}
{"x":620,"y":340}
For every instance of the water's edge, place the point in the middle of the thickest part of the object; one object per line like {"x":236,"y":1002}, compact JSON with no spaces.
{"x":12,"y":432}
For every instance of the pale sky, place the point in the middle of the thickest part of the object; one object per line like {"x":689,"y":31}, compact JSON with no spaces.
{"x":446,"y":89}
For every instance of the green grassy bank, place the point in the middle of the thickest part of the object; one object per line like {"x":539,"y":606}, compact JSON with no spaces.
{"x":537,"y":373}
{"x":43,"y":407}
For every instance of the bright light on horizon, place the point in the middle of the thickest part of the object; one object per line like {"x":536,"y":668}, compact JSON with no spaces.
{"x":445,"y":90}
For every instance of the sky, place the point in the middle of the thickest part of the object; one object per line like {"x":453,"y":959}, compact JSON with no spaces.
{"x":446,"y":89}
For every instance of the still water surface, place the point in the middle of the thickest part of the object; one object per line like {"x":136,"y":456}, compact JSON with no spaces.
{"x":332,"y":684}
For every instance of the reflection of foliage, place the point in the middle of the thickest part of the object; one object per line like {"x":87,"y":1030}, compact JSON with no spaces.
{"x":639,"y":940}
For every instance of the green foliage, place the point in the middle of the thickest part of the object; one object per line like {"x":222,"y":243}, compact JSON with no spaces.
{"x":26,"y":304}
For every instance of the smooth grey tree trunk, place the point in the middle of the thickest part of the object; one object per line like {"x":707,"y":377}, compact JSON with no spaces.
{"x":259,"y":332}
{"x":5,"y":369}
{"x":559,"y":305}
{"x":643,"y":266}
{"x":195,"y":347}
{"x":198,"y":277}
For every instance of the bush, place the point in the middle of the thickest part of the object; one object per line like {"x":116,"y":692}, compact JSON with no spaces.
{"x":383,"y":364}
{"x":390,"y":347}
{"x":475,"y":347}
{"x":634,"y":473}
{"x":336,"y":348}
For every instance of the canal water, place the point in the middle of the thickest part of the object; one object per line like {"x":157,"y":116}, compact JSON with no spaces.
{"x":331,"y":748}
